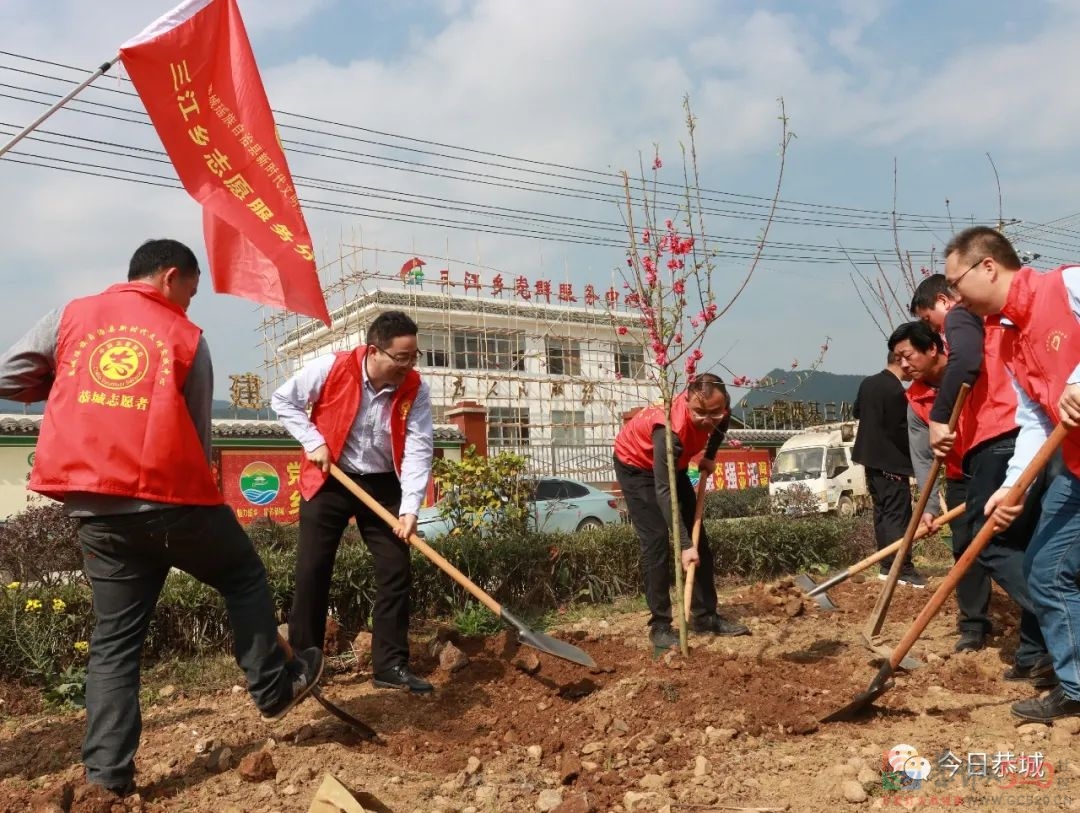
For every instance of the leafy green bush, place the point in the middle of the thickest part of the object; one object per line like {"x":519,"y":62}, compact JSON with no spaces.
{"x":743,"y":502}
{"x":529,"y":573}
{"x":485,"y":491}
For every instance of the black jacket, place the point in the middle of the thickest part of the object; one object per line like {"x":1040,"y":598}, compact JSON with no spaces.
{"x":882,"y":439}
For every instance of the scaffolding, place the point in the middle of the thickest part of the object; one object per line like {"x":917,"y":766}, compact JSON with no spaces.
{"x":554,"y":367}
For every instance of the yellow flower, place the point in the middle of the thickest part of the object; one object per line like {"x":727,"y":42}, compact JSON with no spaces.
{"x":58,"y":605}
{"x":14,"y":586}
{"x":82,"y":647}
{"x":33,"y":605}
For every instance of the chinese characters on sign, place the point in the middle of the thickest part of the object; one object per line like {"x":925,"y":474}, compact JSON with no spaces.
{"x":196,"y":75}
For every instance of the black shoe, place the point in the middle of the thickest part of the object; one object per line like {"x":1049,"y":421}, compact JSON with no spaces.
{"x":123,"y":790}
{"x":1040,"y":674}
{"x":1055,"y":705}
{"x":399,"y":677}
{"x":970,"y":641}
{"x":306,"y":668}
{"x":718,"y":625}
{"x":662,"y":636}
{"x":910,"y":576}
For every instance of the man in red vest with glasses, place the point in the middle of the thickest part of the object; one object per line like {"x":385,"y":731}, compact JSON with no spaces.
{"x":371,"y":415}
{"x":922,"y":354}
{"x":699,"y":420}
{"x":125,"y":445}
{"x":1040,"y":314}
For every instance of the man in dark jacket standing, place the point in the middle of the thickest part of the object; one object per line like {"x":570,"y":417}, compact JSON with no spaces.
{"x":881,"y":446}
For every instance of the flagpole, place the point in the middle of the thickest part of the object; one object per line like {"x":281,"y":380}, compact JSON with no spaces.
{"x":37,"y":122}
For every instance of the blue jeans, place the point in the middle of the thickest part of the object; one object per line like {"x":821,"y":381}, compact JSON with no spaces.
{"x":126,"y":558}
{"x":1052,"y":565}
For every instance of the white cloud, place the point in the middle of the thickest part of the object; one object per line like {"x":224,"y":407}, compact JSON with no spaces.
{"x":580,"y":84}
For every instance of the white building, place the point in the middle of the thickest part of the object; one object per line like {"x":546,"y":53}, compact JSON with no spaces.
{"x":549,"y":375}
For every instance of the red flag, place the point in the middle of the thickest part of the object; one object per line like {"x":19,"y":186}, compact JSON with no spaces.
{"x":196,"y":75}
{"x":409,"y":265}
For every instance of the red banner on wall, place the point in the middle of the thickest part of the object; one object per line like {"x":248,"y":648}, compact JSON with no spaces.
{"x":742,"y":468}
{"x":260,"y":483}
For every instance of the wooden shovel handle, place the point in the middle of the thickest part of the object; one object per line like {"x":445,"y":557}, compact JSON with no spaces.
{"x":416,"y":541}
{"x":695,"y":537}
{"x":888,"y":551}
{"x":981,"y":540}
{"x":877,"y":618}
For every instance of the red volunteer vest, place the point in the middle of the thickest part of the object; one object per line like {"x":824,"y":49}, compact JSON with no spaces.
{"x":921,"y":397}
{"x":991,"y":406}
{"x":1044,"y":348}
{"x":634,"y":443}
{"x":337,"y":407}
{"x":116,"y":422}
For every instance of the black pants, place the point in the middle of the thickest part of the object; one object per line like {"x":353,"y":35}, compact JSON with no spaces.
{"x":323,"y":520}
{"x":126,"y":558}
{"x":1003,"y":559}
{"x":639,"y":489}
{"x":973,"y":590}
{"x":891,"y":495}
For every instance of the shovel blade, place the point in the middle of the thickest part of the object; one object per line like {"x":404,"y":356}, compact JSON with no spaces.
{"x":545,"y":643}
{"x":359,"y":726}
{"x":881,"y":683}
{"x":808,"y":586}
{"x":858,"y":706}
{"x":873,"y":643}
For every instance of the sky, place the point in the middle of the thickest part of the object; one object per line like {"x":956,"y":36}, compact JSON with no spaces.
{"x":488,"y":135}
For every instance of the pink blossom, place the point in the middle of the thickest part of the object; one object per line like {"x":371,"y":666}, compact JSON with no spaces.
{"x":657,"y":163}
{"x":733,"y":442}
{"x":669,"y":225}
{"x":692,"y":360}
{"x":695,"y":321}
{"x":648,"y":263}
{"x":646,"y":236}
{"x":677,"y":338}
{"x":661,"y":359}
{"x":629,"y":262}
{"x":679,"y":286}
{"x":675,"y":264}
{"x":618,"y":376}
{"x":621,"y":330}
{"x":740,"y":381}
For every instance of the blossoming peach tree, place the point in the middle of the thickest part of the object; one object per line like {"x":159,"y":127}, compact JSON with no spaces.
{"x":669,"y":277}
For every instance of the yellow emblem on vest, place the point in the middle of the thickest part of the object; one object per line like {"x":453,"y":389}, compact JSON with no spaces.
{"x":117,"y":364}
{"x":1054,"y":340}
{"x":404,"y":409}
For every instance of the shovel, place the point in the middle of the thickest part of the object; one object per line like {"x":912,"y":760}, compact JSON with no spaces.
{"x":362,"y":728}
{"x":882,"y":682}
{"x":817,"y":591}
{"x":537,"y":640}
{"x":695,"y":537}
{"x":877,"y":619}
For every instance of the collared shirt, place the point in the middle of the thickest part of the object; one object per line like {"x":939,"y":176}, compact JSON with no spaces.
{"x":367,"y":448}
{"x":1035,"y":425}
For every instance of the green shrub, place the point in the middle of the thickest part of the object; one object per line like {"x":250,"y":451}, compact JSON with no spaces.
{"x":528,"y":573}
{"x":744,"y":502}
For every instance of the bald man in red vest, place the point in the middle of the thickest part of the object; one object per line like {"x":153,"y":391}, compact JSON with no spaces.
{"x":699,"y":420}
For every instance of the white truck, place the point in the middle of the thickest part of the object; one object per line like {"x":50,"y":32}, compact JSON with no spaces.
{"x":818,"y":460}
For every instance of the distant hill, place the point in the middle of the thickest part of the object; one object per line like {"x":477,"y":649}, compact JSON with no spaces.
{"x":802,"y":385}
{"x":222,"y":409}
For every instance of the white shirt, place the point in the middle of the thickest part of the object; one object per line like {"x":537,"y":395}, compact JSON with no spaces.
{"x":367,"y":447}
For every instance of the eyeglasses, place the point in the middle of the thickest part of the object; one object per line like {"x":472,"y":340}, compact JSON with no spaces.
{"x":714,"y":417}
{"x":952,"y":285}
{"x":400,"y":359}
